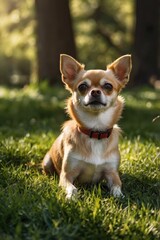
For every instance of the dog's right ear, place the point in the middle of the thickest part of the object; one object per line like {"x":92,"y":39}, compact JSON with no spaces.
{"x":69,"y":68}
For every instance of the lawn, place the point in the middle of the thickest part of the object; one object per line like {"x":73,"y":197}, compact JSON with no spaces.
{"x":31,"y":204}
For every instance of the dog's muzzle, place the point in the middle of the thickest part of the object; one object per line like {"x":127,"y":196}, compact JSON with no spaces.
{"x":95,"y":96}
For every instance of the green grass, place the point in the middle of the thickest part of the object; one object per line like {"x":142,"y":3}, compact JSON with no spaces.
{"x":31,"y":204}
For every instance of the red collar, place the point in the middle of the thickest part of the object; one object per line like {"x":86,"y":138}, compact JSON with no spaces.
{"x":96,"y":134}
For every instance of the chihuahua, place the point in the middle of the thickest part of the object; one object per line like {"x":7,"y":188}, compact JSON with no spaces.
{"x":87,"y":149}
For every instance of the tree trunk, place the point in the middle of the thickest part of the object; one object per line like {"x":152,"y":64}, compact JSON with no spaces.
{"x":54,"y":36}
{"x":147,"y":43}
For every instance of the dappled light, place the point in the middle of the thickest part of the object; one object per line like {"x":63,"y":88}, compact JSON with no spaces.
{"x":33,"y":35}
{"x":30,"y":121}
{"x":97,"y":31}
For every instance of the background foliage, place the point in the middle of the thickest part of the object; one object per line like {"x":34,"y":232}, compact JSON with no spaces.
{"x":103,"y":30}
{"x":17,"y":52}
{"x":95,"y":42}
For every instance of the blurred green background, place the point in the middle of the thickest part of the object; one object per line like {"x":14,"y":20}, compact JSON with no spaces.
{"x":34,"y":33}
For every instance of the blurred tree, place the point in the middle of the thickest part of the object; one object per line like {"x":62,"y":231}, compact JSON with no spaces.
{"x":147,"y":42}
{"x":103,"y":30}
{"x":17,"y":56}
{"x":54,"y":36}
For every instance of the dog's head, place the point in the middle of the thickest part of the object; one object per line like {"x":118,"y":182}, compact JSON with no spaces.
{"x":95,"y":90}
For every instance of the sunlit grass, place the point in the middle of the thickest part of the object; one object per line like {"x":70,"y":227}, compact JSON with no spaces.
{"x":31,"y":204}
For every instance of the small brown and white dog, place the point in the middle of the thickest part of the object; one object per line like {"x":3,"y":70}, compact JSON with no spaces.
{"x":87,"y":149}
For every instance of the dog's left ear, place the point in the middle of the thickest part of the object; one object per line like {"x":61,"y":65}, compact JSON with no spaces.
{"x":122,"y":68}
{"x":69,"y":68}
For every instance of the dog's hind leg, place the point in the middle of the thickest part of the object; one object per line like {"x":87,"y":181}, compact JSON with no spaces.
{"x":47,"y":164}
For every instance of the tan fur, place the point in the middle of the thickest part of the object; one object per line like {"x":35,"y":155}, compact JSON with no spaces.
{"x":74,"y":155}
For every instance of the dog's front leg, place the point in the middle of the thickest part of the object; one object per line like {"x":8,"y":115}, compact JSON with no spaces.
{"x":66,"y":182}
{"x":69,"y":172}
{"x":114,"y":183}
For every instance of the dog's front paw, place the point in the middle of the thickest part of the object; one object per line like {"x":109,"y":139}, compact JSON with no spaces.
{"x":71,"y":193}
{"x":116,"y":192}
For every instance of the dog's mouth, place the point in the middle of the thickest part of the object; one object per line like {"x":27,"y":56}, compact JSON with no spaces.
{"x":95,"y":103}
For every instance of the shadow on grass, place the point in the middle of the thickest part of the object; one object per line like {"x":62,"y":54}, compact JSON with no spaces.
{"x":139,"y":122}
{"x":141,"y":190}
{"x":40,"y":112}
{"x":142,"y":107}
{"x":27,"y":115}
{"x":43,"y":114}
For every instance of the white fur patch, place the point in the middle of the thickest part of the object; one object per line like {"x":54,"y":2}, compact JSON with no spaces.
{"x":110,"y":74}
{"x":98,"y":122}
{"x":71,"y":192}
{"x":93,"y":165}
{"x":47,"y":161}
{"x":116,"y":191}
{"x":86,"y":80}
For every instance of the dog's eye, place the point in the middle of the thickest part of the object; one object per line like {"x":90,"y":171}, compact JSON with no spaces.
{"x":82,"y":87}
{"x":108,"y":86}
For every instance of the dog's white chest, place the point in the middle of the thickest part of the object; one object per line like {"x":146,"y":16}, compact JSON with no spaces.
{"x":93,"y":166}
{"x":96,"y":156}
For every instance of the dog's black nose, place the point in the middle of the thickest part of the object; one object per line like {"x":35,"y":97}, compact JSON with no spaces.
{"x":95,"y":93}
